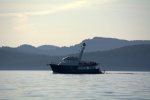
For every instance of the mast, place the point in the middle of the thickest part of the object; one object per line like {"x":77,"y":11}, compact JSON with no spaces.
{"x":81,"y":52}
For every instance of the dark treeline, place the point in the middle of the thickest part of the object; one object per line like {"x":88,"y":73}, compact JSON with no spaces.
{"x":128,"y":58}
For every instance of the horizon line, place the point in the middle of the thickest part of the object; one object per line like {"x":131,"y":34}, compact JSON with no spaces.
{"x":75,"y":43}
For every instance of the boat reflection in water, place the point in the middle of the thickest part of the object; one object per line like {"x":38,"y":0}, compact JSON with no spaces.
{"x":74,"y":65}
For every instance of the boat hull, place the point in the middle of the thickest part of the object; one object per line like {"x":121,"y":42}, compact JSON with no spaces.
{"x":63,"y":69}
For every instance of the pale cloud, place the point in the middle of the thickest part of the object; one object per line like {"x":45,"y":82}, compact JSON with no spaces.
{"x":21,"y":18}
{"x":21,"y":23}
{"x":60,"y":7}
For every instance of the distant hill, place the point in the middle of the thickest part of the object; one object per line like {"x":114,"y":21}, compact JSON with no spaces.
{"x":27,"y":48}
{"x":95,"y":44}
{"x":127,"y":58}
{"x":102,"y":44}
{"x":14,"y":60}
{"x":47,"y":47}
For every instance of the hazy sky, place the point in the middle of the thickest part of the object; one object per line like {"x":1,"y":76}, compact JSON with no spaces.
{"x":67,"y":22}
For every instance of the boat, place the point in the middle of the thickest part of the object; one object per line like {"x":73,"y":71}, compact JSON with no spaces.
{"x":74,"y":65}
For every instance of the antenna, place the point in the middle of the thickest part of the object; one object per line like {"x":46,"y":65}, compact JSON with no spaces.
{"x":82,"y":50}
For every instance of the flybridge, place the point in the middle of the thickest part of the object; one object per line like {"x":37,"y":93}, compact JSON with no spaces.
{"x":73,"y":60}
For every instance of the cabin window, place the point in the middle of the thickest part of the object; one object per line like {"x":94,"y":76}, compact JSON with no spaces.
{"x":87,"y":67}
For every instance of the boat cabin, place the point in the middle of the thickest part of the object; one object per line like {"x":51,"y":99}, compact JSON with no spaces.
{"x":69,"y":61}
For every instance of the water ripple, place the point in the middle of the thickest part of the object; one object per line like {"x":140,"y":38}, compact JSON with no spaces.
{"x":43,"y":85}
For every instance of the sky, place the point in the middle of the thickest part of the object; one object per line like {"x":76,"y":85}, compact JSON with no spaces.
{"x":68,"y":22}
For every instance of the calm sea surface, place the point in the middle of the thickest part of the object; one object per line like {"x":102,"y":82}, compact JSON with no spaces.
{"x":44,"y":85}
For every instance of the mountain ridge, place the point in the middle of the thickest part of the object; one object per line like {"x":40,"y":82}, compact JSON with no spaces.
{"x":94,"y":44}
{"x":47,"y":47}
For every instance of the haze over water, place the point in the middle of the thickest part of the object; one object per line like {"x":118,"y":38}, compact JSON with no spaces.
{"x":43,"y":85}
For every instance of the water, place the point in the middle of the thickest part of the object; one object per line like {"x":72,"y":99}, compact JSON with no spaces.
{"x":43,"y":85}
